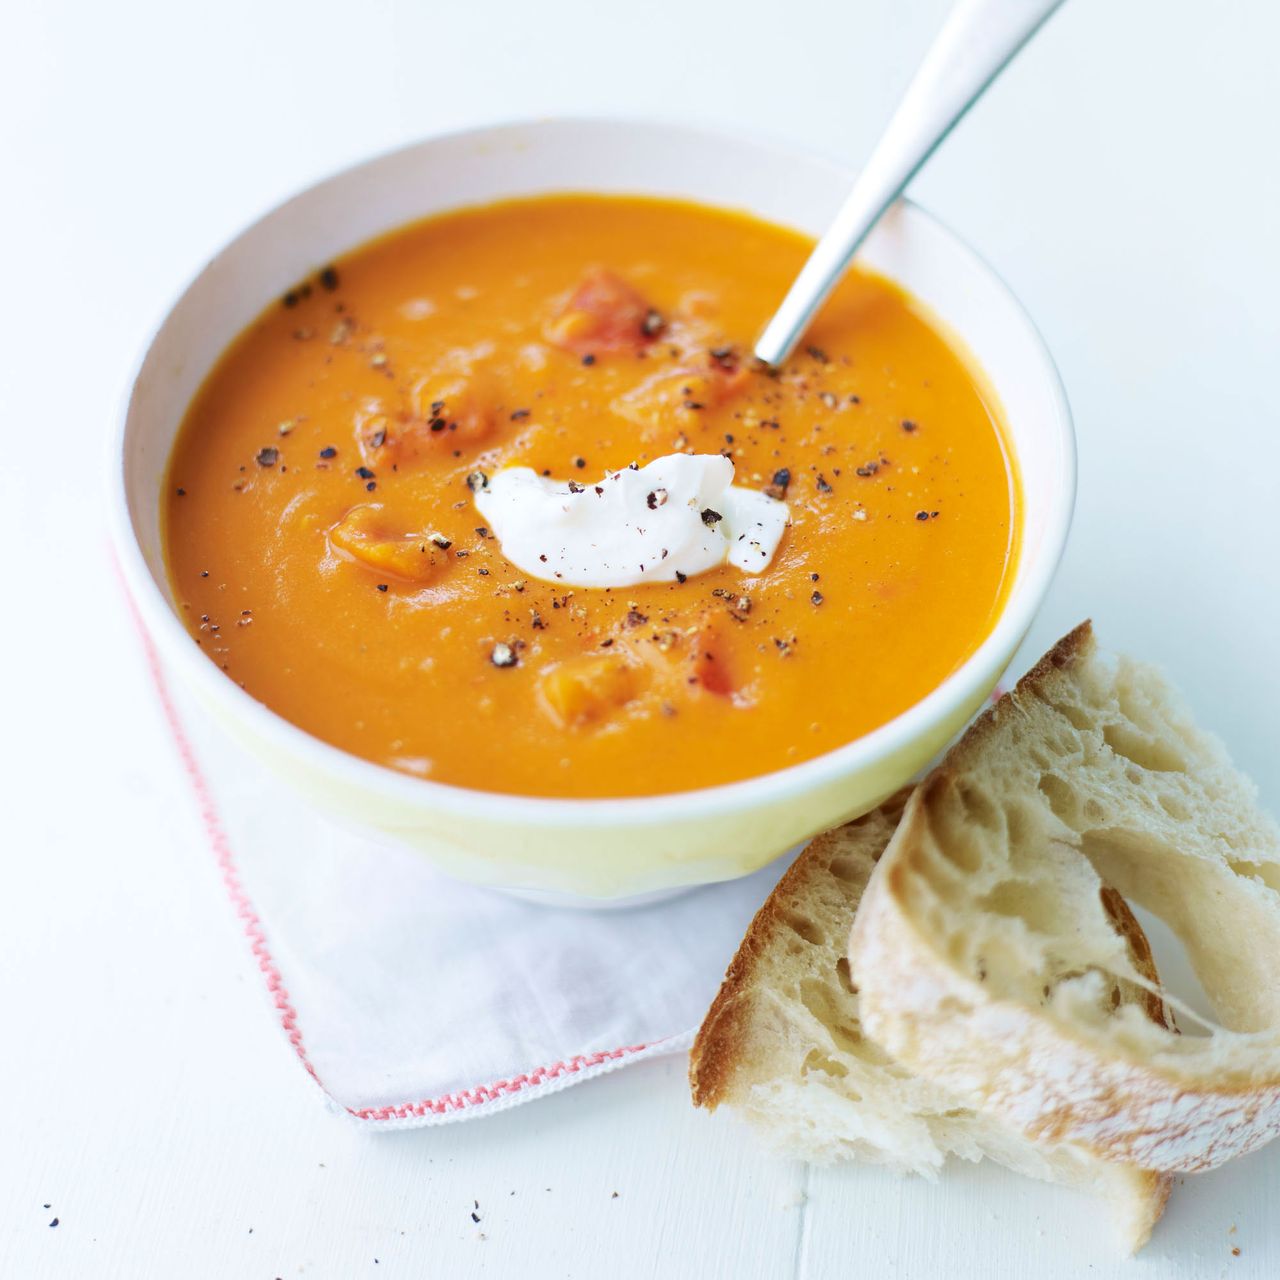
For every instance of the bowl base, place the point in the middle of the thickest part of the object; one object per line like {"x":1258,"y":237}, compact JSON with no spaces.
{"x":577,"y":902}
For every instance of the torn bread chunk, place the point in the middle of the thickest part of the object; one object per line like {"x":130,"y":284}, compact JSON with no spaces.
{"x":989,"y":962}
{"x":784,"y":1046}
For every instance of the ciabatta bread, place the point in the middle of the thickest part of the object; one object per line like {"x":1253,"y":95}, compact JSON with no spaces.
{"x":783,"y":1045}
{"x":987,"y":957}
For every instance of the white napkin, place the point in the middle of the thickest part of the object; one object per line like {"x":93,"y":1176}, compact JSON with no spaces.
{"x":413,"y":999}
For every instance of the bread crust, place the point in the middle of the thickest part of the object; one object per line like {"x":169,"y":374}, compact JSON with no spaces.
{"x":744,"y":1055}
{"x":720,"y":1045}
{"x":1057,"y":1080}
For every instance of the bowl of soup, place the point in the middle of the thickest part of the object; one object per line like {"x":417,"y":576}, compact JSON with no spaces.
{"x":452,"y":489}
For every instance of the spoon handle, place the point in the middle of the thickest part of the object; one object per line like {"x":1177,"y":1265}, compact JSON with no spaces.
{"x":976,"y":43}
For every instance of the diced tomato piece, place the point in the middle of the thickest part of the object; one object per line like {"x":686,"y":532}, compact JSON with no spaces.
{"x":647,"y":670}
{"x":605,"y":313}
{"x":362,"y":535}
{"x":687,"y":389}
{"x":689,"y":662}
{"x":710,"y":665}
{"x":450,"y":412}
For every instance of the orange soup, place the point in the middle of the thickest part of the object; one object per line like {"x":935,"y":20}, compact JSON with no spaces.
{"x":327,"y":551}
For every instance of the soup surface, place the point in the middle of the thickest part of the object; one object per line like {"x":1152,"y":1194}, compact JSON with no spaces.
{"x":327,"y":553}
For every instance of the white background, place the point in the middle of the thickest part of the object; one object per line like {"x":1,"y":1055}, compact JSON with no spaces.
{"x":1122,"y":177}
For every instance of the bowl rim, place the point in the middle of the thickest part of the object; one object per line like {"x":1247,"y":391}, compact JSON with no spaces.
{"x":966,"y":683}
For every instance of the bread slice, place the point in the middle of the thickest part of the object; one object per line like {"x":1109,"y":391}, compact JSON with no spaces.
{"x":783,"y":1045}
{"x":987,"y":960}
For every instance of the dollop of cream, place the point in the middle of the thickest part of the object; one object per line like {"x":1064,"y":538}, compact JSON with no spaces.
{"x":678,"y":516}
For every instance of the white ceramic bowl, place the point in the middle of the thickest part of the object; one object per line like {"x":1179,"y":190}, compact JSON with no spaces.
{"x":594,"y":849}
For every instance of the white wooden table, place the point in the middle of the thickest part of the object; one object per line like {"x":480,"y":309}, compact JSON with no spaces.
{"x":150,"y":1103}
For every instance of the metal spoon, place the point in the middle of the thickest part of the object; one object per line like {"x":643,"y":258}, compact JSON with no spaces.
{"x":978,"y":40}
